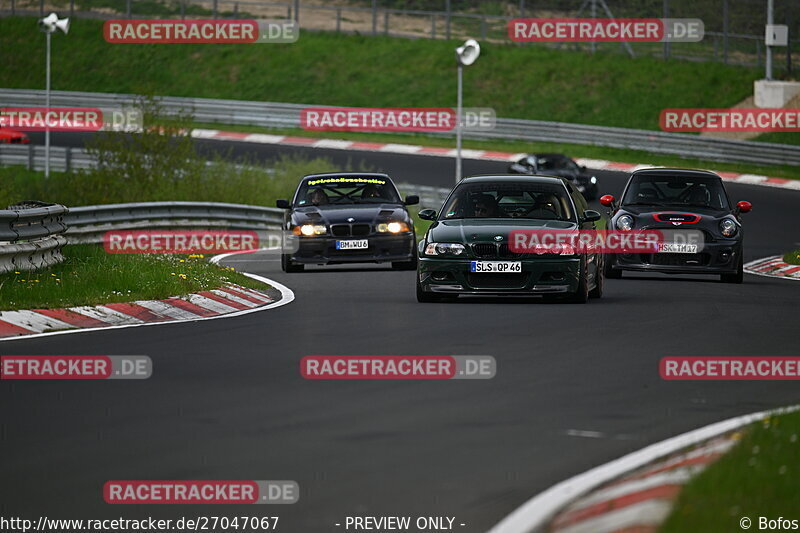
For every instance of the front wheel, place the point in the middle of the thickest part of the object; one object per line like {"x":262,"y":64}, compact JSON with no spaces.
{"x":738,"y":277}
{"x":608,"y":269}
{"x":581,"y":296}
{"x":426,"y":297}
{"x":599,"y":281}
{"x":289,"y":267}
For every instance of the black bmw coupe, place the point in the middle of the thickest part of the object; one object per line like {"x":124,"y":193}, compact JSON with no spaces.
{"x":347,"y":218}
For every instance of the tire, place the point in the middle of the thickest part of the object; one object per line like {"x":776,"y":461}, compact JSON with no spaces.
{"x":426,"y":297}
{"x":735,"y":278}
{"x":405,"y":265}
{"x":581,"y":296}
{"x":599,"y":281}
{"x":289,"y":267}
{"x":608,"y":271}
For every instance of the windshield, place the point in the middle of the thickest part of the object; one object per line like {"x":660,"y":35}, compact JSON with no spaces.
{"x":676,"y":191}
{"x":335,"y":190}
{"x":509,"y":200}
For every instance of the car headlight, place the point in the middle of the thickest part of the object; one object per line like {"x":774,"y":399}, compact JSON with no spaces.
{"x":444,"y":248}
{"x":593,"y":179}
{"x":393,"y":227}
{"x":309,"y":230}
{"x":625,"y":223}
{"x":728,"y":227}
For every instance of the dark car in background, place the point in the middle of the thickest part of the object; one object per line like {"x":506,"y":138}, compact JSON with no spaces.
{"x":561,"y":166}
{"x":348,"y":218}
{"x":678,"y":200}
{"x":468,"y":249}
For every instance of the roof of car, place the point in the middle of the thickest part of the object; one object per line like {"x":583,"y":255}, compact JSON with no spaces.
{"x":348,"y":175}
{"x":512,"y":178}
{"x":678,"y":172}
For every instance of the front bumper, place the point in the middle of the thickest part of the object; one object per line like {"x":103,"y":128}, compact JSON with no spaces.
{"x":714,"y":258}
{"x":322,"y":250}
{"x":540,"y":276}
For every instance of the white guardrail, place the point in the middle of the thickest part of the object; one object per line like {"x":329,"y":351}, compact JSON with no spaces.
{"x":280,"y":115}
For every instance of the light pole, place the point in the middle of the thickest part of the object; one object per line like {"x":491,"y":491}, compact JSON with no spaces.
{"x":466,"y":54}
{"x":48,"y":25}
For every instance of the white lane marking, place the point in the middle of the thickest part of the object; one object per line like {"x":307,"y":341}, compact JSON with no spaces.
{"x":647,"y":513}
{"x":264,"y":138}
{"x":585,"y":433}
{"x":204,"y":134}
{"x":400,"y":148}
{"x":33,"y":321}
{"x":254,"y":294}
{"x":535,"y":513}
{"x":679,"y":476}
{"x":335,"y":144}
{"x":208,"y":303}
{"x":165,"y":309}
{"x":232,"y":297}
{"x":105,"y":314}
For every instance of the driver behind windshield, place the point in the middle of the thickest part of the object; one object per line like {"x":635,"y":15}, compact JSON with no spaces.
{"x":485,"y":207}
{"x":318,"y":197}
{"x":371,"y":192}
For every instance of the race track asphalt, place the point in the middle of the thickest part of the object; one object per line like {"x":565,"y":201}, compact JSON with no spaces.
{"x":226,"y":400}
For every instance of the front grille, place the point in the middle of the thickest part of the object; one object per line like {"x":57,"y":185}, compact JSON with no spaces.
{"x":506,"y":253}
{"x":359,"y":230}
{"x":485,"y":250}
{"x":340,"y":230}
{"x":350,"y":230}
{"x":497,"y":281}
{"x":676,"y":259}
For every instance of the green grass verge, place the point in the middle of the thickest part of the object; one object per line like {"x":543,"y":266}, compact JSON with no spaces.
{"x":793,"y":258}
{"x":757,"y":478}
{"x":574,"y":150}
{"x":90,"y":276}
{"x":354,"y":70}
{"x":253,"y":187}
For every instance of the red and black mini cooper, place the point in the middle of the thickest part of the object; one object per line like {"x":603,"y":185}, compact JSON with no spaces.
{"x":691,"y":203}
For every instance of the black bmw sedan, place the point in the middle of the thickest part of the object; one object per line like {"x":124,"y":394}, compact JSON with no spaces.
{"x":681,"y":203}
{"x":347,"y":218}
{"x":561,"y":166}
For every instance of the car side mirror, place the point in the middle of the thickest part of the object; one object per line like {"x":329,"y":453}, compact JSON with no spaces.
{"x":412,"y":199}
{"x":427,"y":214}
{"x":283,"y":204}
{"x":743,"y":207}
{"x":591,"y":216}
{"x":607,"y":200}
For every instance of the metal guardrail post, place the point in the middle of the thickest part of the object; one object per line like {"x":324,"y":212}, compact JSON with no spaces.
{"x":13,"y":11}
{"x":386,"y":22}
{"x":214,"y":10}
{"x":338,"y":19}
{"x":41,"y":8}
{"x":374,"y":17}
{"x":433,"y":26}
{"x":68,"y":159}
{"x":30,"y":157}
{"x":447,"y":20}
{"x":71,"y":8}
{"x":725,"y":30}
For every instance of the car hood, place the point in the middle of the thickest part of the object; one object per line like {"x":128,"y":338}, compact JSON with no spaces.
{"x":486,"y":229}
{"x":341,"y":214}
